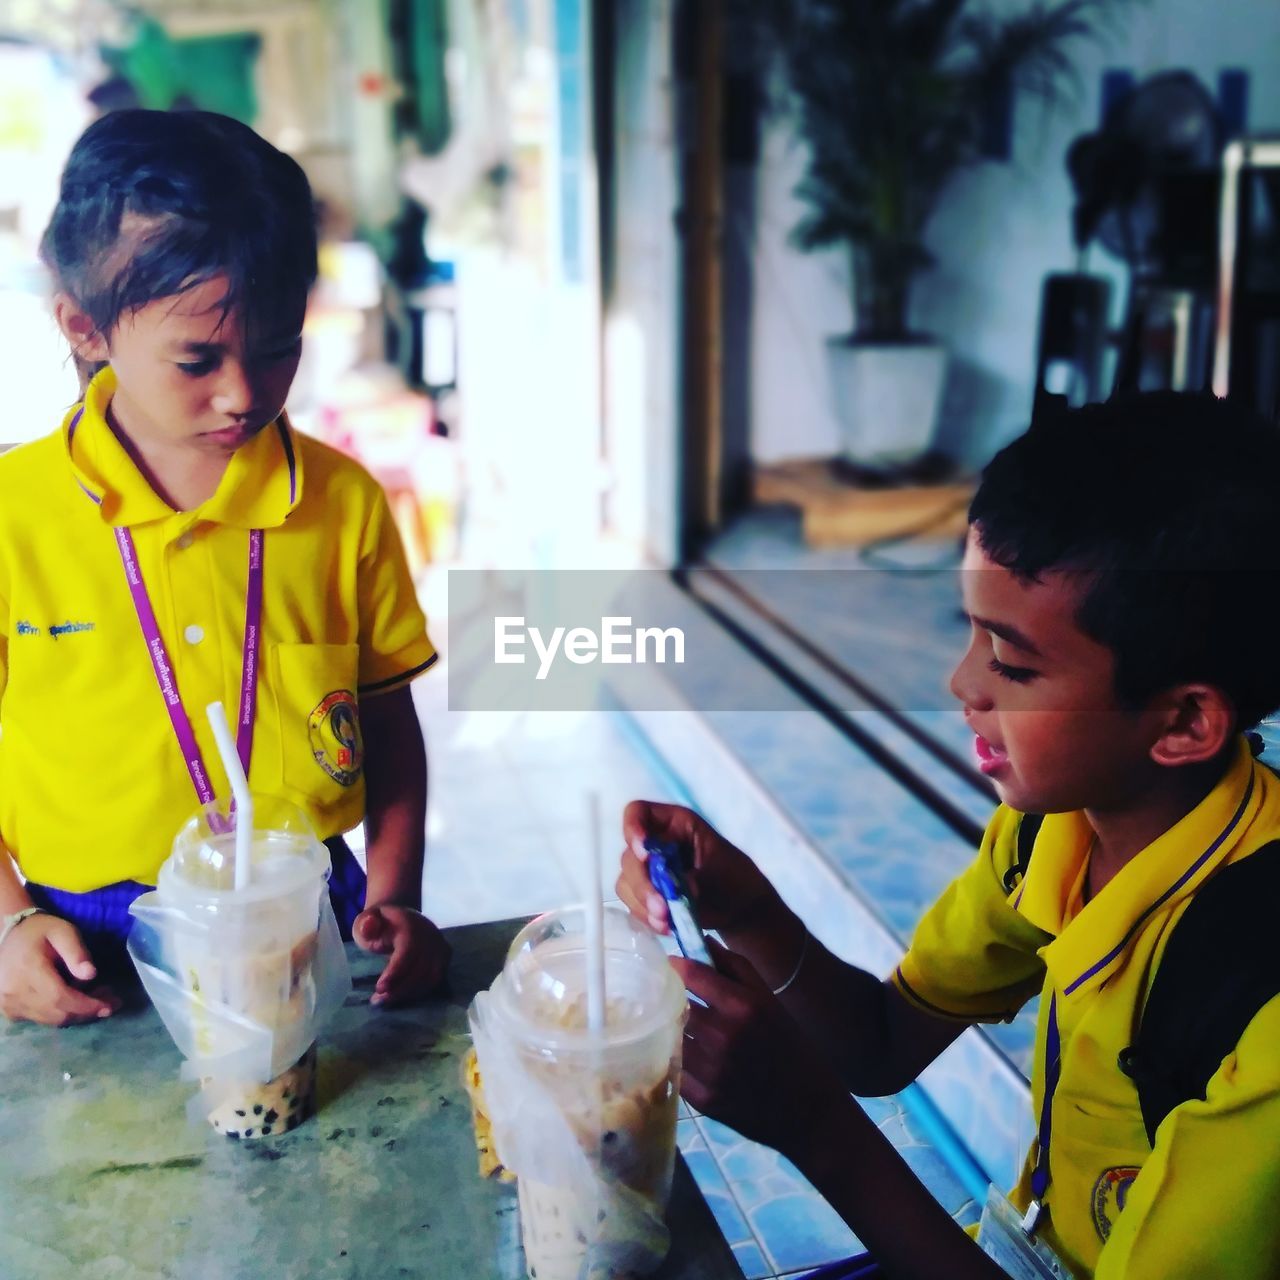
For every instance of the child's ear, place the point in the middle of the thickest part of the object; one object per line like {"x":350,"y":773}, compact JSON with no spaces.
{"x":1199,"y":720}
{"x":78,"y":328}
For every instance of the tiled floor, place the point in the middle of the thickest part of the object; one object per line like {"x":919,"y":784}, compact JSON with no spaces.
{"x":769,"y":1213}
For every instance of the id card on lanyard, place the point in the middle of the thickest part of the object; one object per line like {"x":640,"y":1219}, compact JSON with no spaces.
{"x":1004,"y":1235}
{"x":163,"y":668}
{"x":1003,"y":1239}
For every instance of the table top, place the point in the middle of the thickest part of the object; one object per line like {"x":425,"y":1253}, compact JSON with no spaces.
{"x":102,"y":1174}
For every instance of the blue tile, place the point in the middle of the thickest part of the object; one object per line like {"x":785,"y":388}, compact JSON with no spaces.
{"x":715,"y":1191}
{"x":880,"y":1109}
{"x":793,"y":1222}
{"x":802,"y":1230}
{"x":889,"y":1117}
{"x":936,"y":1174}
{"x":720,"y":1199}
{"x":688,"y":1136}
{"x":752,"y":1261}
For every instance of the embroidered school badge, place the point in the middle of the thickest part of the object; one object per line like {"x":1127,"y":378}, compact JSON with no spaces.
{"x":1109,"y":1194}
{"x":336,"y":742}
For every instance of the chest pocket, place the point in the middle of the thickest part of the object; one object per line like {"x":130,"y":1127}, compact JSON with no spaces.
{"x":321,"y":746}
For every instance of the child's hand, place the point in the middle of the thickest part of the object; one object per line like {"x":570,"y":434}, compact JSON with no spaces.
{"x":748,"y":1064}
{"x":419,"y":954}
{"x":728,"y":889}
{"x":41,"y":961}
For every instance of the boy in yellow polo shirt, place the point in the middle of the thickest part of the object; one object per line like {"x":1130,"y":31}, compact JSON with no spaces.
{"x":176,"y":543}
{"x":1121,"y":586}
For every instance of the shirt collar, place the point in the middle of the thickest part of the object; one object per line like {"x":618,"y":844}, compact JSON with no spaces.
{"x":259,"y":490}
{"x":1091,"y":945}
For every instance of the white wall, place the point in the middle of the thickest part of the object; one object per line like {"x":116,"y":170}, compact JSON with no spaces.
{"x":1001,"y":228}
{"x":799,"y":298}
{"x":641,"y":327}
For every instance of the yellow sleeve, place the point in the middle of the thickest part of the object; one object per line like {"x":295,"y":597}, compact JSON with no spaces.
{"x":972,"y":955}
{"x":394,"y":645}
{"x":1205,"y":1201}
{"x":4,"y":628}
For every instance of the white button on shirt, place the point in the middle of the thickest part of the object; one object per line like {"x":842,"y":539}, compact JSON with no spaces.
{"x":194,"y":634}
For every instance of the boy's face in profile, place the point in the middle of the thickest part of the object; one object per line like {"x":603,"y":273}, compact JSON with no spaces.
{"x":1039,"y":694}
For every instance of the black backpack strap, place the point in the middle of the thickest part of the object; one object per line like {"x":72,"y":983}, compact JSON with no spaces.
{"x":1220,"y":966}
{"x":1028,"y":829}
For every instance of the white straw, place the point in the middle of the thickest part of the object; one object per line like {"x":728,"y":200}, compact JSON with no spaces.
{"x":595,"y":921}
{"x":239,"y":789}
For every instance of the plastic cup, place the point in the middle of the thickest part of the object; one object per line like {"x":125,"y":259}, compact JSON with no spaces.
{"x":587,"y":1122}
{"x":244,"y":977}
{"x":247,"y":1110}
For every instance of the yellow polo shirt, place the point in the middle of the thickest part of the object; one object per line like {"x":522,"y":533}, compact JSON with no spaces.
{"x":1202,"y":1202}
{"x":93,"y":784}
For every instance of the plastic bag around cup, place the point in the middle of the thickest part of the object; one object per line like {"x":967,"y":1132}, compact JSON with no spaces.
{"x":586,"y":1123}
{"x":242,"y":975}
{"x":217,"y":1040}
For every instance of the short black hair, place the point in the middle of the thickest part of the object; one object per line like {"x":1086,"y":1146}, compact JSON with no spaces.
{"x":153,"y":203}
{"x":1167,"y":504}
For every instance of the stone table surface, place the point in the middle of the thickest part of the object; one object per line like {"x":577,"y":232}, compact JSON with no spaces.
{"x":102,"y":1176}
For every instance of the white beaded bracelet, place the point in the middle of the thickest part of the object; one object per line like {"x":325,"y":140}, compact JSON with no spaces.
{"x":795,"y":973}
{"x":9,"y":923}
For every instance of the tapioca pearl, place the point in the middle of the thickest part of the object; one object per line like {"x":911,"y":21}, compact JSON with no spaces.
{"x":241,"y":1113}
{"x":266,"y":1131}
{"x":248,"y":1133}
{"x":291,"y":1123}
{"x":233,"y":1133}
{"x":272,"y":1116}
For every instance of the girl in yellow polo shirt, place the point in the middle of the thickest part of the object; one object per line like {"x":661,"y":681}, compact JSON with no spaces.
{"x":174,"y":543}
{"x":1121,"y":583}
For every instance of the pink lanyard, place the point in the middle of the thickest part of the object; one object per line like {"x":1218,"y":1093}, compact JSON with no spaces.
{"x":163,"y":667}
{"x":167,"y":681}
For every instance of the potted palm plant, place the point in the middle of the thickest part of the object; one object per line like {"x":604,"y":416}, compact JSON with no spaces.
{"x":893,"y":98}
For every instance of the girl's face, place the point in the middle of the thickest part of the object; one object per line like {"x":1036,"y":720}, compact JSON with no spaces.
{"x":193,"y":378}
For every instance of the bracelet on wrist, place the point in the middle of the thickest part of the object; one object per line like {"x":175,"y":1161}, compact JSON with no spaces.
{"x":10,"y":922}
{"x":795,"y":973}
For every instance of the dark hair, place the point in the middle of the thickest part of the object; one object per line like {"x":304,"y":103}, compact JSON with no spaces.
{"x":153,"y":203}
{"x":1167,"y":504}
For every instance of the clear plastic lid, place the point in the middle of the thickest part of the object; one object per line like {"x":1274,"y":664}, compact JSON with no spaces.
{"x":286,"y":855}
{"x":541,"y":993}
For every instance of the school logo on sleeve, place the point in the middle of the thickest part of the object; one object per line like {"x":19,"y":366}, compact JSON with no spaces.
{"x":1109,"y":1195}
{"x":336,"y":742}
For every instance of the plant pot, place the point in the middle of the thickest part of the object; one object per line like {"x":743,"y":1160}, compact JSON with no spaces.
{"x":886,"y":398}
